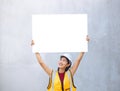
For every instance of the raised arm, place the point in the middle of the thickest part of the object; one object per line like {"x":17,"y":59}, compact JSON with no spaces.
{"x":76,"y":63}
{"x":41,"y":62}
{"x":78,"y":60}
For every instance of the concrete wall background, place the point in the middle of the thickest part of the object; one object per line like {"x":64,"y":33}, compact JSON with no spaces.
{"x":99,"y":69}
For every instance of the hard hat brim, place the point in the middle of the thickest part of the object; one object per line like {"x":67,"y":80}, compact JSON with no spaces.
{"x":66,"y":58}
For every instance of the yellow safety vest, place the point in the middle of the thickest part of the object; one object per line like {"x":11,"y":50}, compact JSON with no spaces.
{"x":55,"y":83}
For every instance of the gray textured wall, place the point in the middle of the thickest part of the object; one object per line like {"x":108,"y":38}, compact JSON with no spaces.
{"x":99,"y":69}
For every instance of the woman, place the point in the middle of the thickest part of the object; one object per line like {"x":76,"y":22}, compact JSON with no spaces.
{"x":62,"y":79}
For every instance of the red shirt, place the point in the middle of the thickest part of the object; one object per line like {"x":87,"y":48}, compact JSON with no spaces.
{"x":61,"y":75}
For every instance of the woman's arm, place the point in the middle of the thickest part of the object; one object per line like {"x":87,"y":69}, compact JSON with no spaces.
{"x":78,"y":60}
{"x":76,"y":63}
{"x":41,"y":62}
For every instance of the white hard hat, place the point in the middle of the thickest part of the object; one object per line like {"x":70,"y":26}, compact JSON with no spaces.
{"x":68,"y":56}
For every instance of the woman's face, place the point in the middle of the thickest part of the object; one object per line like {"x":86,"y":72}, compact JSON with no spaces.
{"x":63,"y":63}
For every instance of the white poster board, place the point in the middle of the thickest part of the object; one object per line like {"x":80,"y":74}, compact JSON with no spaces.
{"x":59,"y":32}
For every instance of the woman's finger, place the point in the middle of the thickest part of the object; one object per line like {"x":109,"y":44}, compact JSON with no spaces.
{"x":32,"y":43}
{"x":87,"y":38}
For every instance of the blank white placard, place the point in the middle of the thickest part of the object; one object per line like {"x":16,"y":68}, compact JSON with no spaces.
{"x":59,"y":32}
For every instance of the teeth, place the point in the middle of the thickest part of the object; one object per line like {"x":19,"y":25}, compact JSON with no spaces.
{"x":60,"y":64}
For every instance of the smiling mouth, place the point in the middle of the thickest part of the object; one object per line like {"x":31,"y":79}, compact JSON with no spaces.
{"x":60,"y":64}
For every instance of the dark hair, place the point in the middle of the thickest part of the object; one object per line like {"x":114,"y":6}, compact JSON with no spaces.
{"x":69,"y":62}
